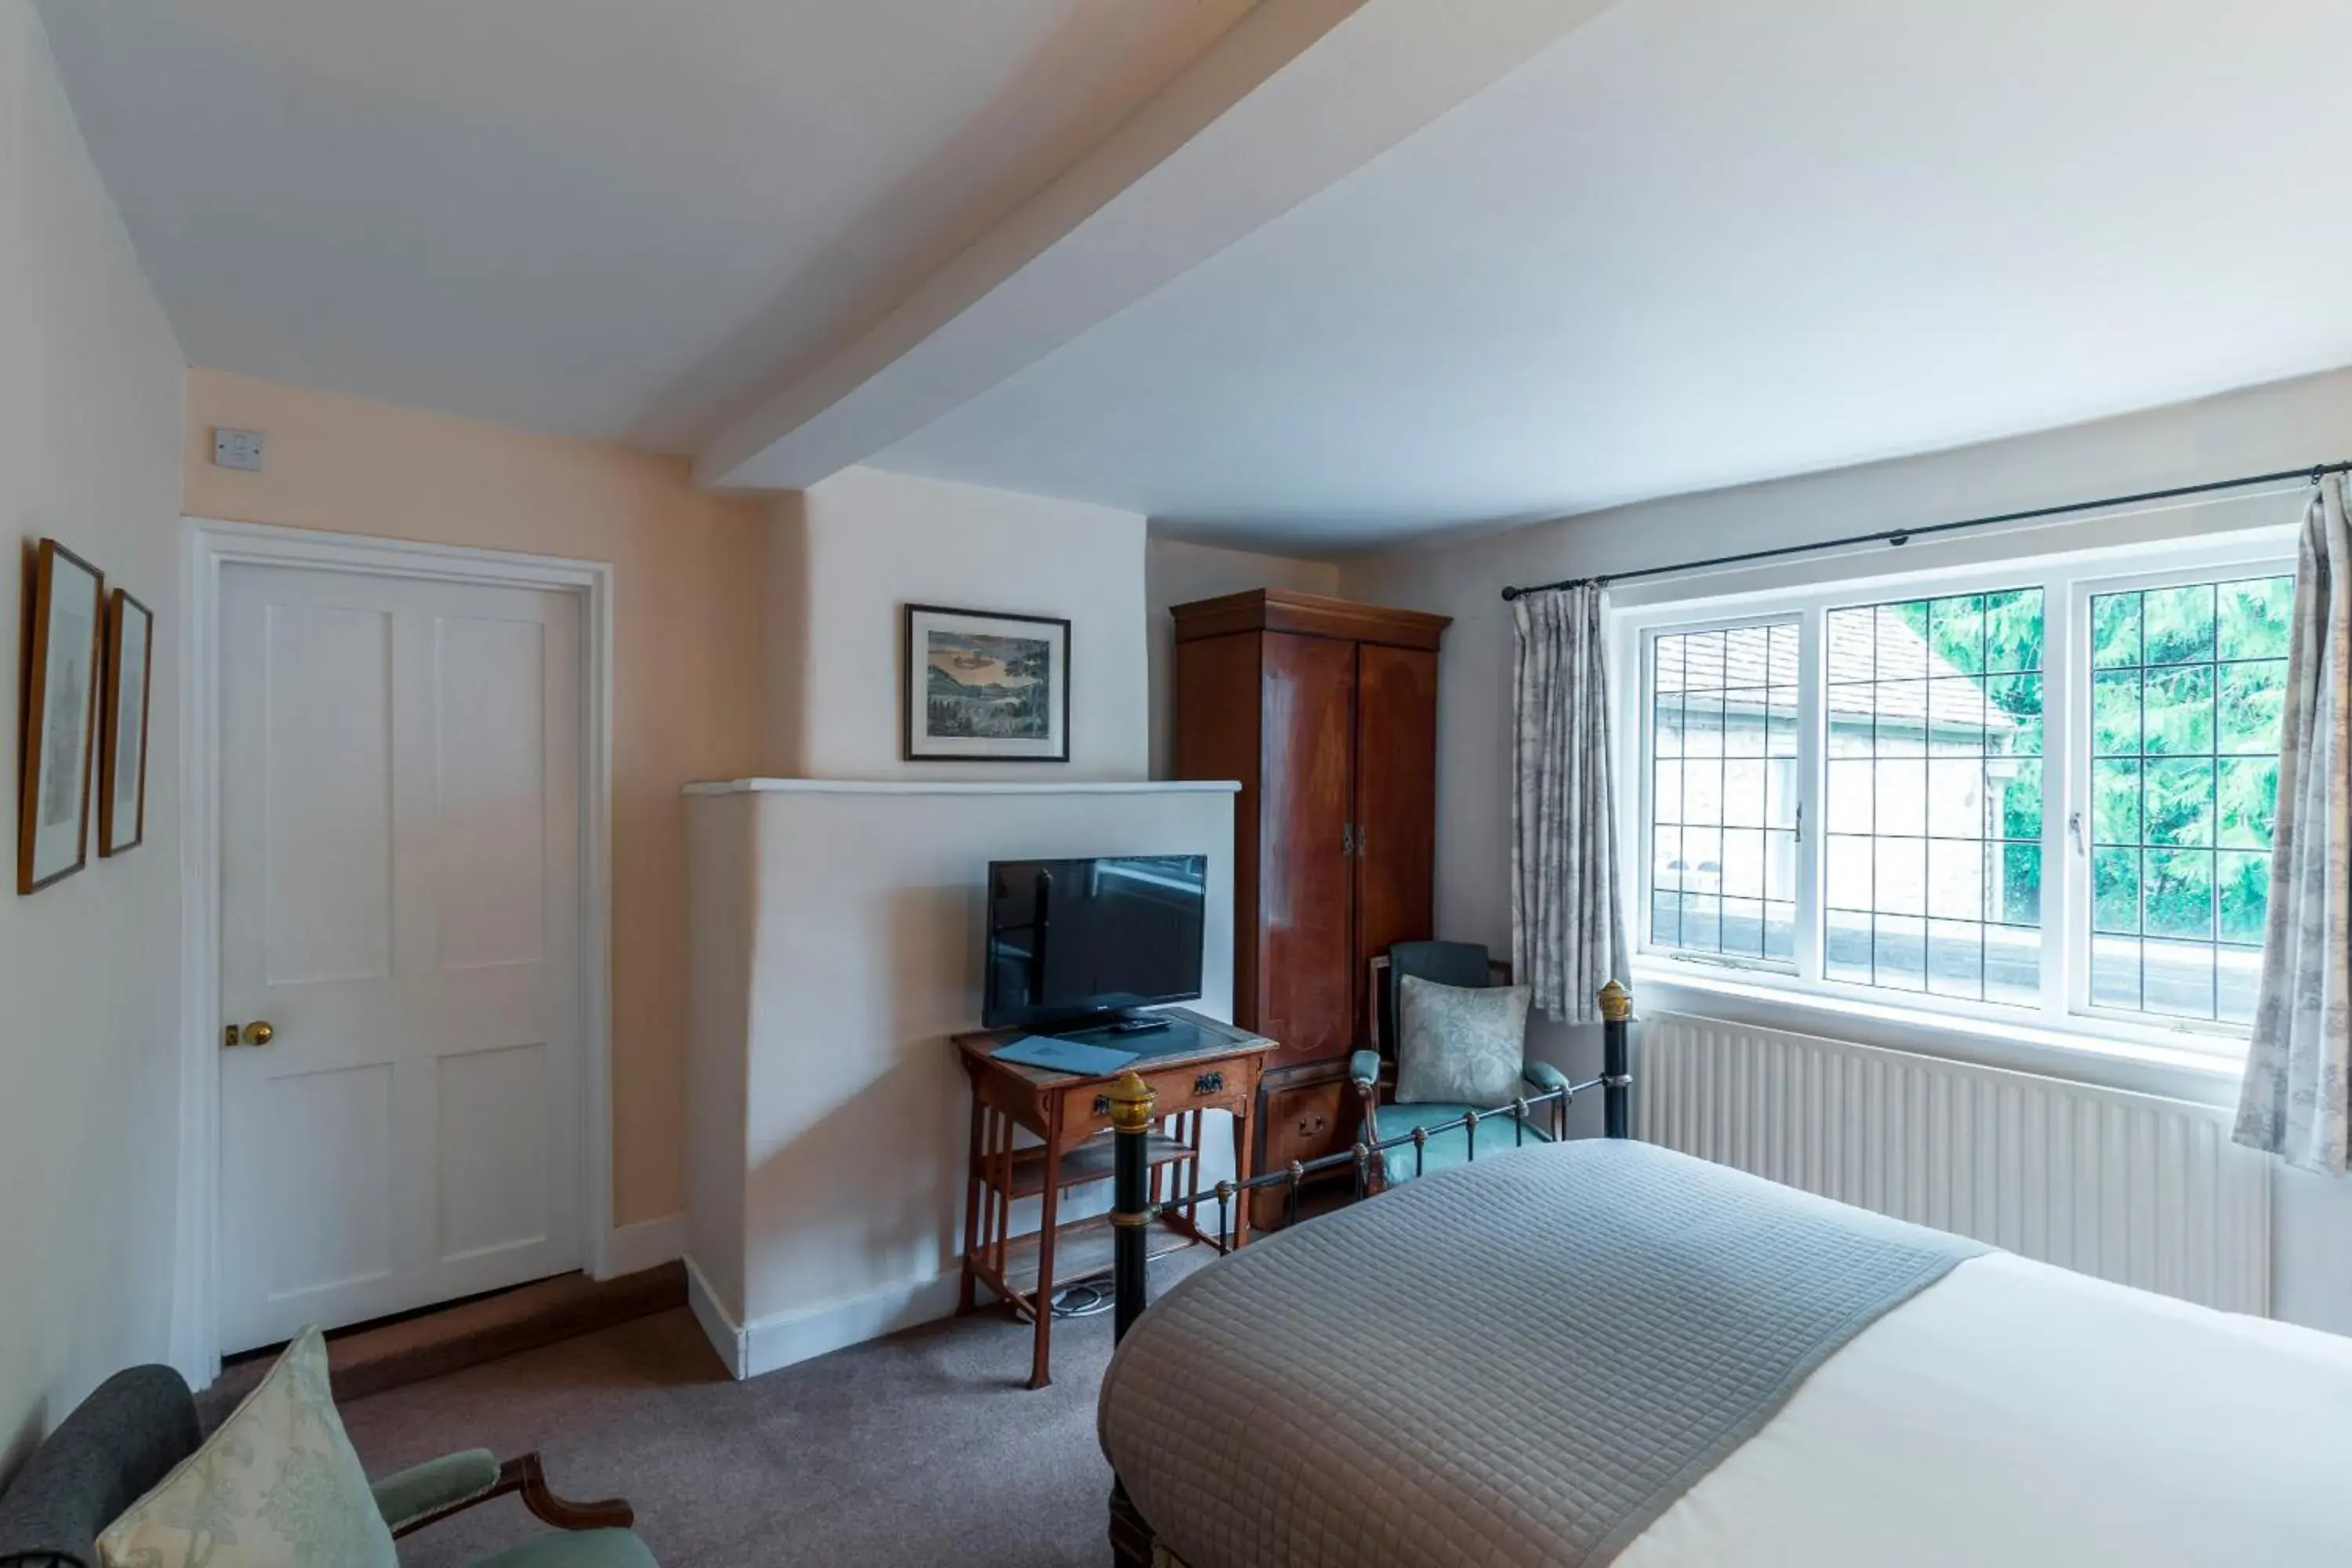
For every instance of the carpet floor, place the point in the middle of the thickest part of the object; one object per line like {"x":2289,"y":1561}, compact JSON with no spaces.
{"x":923,"y":1448}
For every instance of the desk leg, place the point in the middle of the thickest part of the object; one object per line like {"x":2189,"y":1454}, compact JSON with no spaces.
{"x":1042,"y":1361}
{"x":967,"y":1294}
{"x":1002,"y":1215}
{"x":1191,"y":1167}
{"x":1155,"y":1199}
{"x":1243,"y":1168}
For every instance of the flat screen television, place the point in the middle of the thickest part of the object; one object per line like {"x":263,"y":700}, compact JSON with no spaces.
{"x":1078,"y":944}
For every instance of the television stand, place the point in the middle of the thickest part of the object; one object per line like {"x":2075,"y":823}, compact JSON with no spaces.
{"x":1215,"y":1067}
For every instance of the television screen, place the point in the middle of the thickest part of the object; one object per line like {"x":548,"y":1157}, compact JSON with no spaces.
{"x":1070,"y":941}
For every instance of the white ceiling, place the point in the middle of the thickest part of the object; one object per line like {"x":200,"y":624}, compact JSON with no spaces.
{"x":1300,"y":273}
{"x":1706,"y":241}
{"x":607,"y":218}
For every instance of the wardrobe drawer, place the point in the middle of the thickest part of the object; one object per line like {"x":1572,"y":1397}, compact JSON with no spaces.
{"x":1307,"y":1122}
{"x":1302,"y":1121}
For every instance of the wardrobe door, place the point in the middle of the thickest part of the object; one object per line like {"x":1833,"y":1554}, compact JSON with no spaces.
{"x":1307,"y":984}
{"x":1216,"y":737}
{"x":1396,"y":805}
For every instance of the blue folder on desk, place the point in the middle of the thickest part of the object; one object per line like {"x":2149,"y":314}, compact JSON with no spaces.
{"x":1064,"y":1056}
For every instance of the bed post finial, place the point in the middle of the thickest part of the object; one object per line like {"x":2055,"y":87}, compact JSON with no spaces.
{"x":1132,"y":1105}
{"x":1616,"y":1069}
{"x":1616,"y":1002}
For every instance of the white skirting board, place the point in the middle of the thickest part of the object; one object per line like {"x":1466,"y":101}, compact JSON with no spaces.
{"x":648,"y":1243}
{"x":769,"y":1343}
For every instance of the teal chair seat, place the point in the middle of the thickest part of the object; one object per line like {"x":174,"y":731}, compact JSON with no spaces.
{"x":576,"y":1549}
{"x":1495,"y":1134}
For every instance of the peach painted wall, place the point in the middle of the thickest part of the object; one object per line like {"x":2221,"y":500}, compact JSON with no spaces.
{"x":688,"y":572}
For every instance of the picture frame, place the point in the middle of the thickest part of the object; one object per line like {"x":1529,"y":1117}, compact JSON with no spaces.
{"x":64,"y":645}
{"x":984,"y":686}
{"x":122,"y":731}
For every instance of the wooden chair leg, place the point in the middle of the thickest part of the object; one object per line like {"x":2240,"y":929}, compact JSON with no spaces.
{"x":1368,"y":1131}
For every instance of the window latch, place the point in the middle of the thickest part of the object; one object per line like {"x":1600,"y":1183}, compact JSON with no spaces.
{"x":1800,"y":822}
{"x":2074,"y":829}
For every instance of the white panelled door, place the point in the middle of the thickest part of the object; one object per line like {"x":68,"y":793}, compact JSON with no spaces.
{"x":400,"y":871}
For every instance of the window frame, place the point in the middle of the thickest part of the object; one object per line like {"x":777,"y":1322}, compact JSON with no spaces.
{"x":2078,"y":805}
{"x":2068,"y":578}
{"x":1808,"y":702}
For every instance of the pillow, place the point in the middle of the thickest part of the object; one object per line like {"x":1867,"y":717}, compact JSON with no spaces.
{"x":277,"y":1487}
{"x":1459,"y":1045}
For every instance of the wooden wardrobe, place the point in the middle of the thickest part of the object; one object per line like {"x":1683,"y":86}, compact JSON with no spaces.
{"x":1326,"y":710}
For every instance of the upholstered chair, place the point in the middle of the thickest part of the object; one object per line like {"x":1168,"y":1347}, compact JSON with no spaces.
{"x":1449,"y":1037}
{"x":129,"y":1435}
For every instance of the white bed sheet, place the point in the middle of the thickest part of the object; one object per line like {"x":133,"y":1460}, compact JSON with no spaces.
{"x":2020,"y":1415}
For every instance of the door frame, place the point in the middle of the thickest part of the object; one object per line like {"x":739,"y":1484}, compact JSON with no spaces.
{"x":210,"y":547}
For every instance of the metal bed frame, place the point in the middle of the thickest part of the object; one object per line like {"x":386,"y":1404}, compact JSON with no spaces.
{"x":1132,"y":1105}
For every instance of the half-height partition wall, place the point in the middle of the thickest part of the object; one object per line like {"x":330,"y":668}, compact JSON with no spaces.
{"x":836,"y":935}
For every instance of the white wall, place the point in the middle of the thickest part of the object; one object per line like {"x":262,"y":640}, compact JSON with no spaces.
{"x":828,"y":1191}
{"x":849,"y":553}
{"x":89,"y":971}
{"x":2290,"y":425}
{"x":1177,"y":573}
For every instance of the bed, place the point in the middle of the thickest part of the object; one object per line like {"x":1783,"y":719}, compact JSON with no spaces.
{"x":1602,"y":1352}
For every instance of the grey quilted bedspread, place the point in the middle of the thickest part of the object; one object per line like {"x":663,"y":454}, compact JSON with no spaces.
{"x":1520,"y":1362}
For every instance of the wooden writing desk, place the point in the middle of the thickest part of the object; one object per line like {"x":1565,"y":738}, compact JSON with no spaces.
{"x":1216,"y":1068}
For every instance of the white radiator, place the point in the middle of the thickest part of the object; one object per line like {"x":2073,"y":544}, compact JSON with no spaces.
{"x":2129,"y":1187}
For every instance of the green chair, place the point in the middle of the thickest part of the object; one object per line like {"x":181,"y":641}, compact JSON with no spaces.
{"x":1373,"y":1073}
{"x":140,"y":1424}
{"x":593,"y":1534}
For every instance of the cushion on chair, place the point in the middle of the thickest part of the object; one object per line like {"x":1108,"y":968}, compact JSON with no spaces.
{"x":1461,"y":1044}
{"x":575,"y":1549}
{"x":277,"y":1486}
{"x":1495,"y":1134}
{"x":1447,"y":962}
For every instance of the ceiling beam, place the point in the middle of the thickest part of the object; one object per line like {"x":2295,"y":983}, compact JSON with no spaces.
{"x":1295,"y":95}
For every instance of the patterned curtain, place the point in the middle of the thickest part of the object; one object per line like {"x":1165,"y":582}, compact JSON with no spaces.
{"x":2293,"y":1102}
{"x":1567,"y":934}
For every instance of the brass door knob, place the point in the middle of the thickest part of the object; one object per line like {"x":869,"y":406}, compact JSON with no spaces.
{"x":257,"y":1033}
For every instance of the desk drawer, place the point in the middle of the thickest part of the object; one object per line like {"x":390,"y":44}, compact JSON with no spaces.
{"x":1206,"y":1086}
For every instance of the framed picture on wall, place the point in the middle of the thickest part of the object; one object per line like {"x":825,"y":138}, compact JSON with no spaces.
{"x":122,"y":737}
{"x":985,"y":687}
{"x":67,"y":610}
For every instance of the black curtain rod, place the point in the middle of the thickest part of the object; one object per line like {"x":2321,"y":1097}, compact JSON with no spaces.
{"x":1901,"y":536}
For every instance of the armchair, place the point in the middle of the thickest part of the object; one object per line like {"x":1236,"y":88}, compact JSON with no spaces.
{"x":1373,"y":1072}
{"x":140,"y":1424}
{"x":429,"y":1493}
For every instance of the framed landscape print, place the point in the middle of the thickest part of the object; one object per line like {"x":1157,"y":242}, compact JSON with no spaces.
{"x":983,"y":686}
{"x":60,"y":721}
{"x":122,"y":739}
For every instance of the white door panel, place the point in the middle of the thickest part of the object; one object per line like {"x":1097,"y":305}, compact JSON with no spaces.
{"x":400,"y":863}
